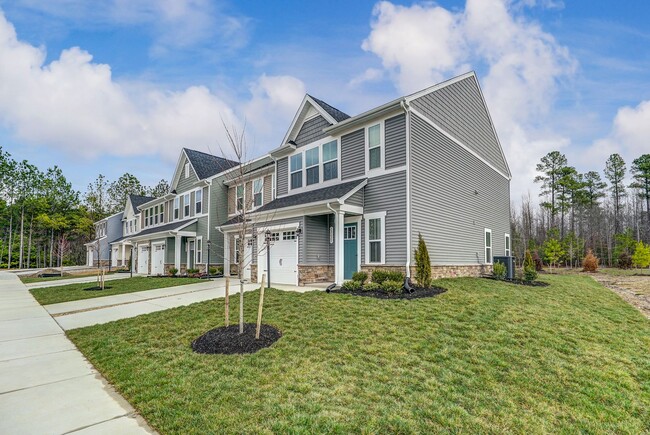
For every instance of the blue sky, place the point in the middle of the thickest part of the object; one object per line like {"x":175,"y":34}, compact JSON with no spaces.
{"x":122,"y":85}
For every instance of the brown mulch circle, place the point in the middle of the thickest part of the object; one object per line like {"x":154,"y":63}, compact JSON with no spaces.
{"x":227,"y":340}
{"x":93,"y":289}
{"x":418,"y":293}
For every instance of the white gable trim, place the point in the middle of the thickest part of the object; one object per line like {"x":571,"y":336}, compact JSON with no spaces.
{"x":300,"y":118}
{"x":457,"y":142}
{"x":180,"y":169}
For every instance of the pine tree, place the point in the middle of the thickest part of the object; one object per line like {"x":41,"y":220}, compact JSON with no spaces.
{"x":422,"y":263}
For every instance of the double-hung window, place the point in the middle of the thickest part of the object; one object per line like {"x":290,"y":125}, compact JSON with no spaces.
{"x":240,"y":197}
{"x":161,"y":214}
{"x":199,"y":250}
{"x":488,"y":246}
{"x":155,"y":214}
{"x":507,"y":244}
{"x":295,"y":168}
{"x":330,"y":161}
{"x":258,"y":186}
{"x":375,"y":230}
{"x":177,"y":206}
{"x":186,"y":205}
{"x":146,"y":218}
{"x":198,"y":200}
{"x":311,"y":163}
{"x":374,"y":146}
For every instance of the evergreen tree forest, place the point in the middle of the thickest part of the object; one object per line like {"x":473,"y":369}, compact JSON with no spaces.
{"x":40,"y":211}
{"x":606,"y":212}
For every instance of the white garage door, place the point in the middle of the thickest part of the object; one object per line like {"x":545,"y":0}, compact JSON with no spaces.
{"x":158,"y":260}
{"x":284,"y":258}
{"x":143,"y":259}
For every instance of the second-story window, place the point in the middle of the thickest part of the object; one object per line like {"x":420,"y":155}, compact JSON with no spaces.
{"x":295,"y":168}
{"x":374,"y":146}
{"x":177,"y":206}
{"x":146,"y":218}
{"x":161,"y":214}
{"x":330,"y":161}
{"x":240,"y":197}
{"x":199,"y":201}
{"x":258,"y":186}
{"x":311,"y":163}
{"x":155,"y":214}
{"x":186,"y":205}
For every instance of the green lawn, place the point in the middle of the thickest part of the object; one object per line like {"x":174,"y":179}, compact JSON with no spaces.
{"x":32,"y":279}
{"x":623,"y":272}
{"x":74,"y":292}
{"x":484,"y":357}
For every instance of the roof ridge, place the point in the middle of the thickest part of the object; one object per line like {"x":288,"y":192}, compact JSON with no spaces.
{"x":337,"y":114}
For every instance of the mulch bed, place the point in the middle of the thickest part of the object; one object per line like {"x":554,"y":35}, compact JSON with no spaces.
{"x":97,"y":288}
{"x":520,"y":282}
{"x":418,"y":293}
{"x":226,"y":340}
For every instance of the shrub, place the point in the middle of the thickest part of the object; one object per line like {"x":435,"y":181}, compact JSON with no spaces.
{"x":528,"y":260}
{"x":173,"y":271}
{"x":352,"y":286}
{"x":553,"y":252}
{"x":422,"y":263}
{"x":361,"y":276}
{"x":641,"y":257}
{"x":395,"y":276}
{"x":390,"y":286}
{"x":537,"y":261}
{"x":371,"y":287}
{"x":590,"y":262}
{"x":530,"y":274}
{"x":379,"y":276}
{"x":499,"y":271}
{"x":624,"y":261}
{"x":192,"y":272}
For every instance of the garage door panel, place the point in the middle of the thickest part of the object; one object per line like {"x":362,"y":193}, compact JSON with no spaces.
{"x":284,"y":258}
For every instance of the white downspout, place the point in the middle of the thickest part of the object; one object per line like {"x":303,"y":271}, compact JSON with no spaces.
{"x":406,"y":108}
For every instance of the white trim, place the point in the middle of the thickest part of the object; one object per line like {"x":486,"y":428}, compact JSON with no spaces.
{"x":408,"y":187}
{"x":382,"y":146}
{"x":507,"y":245}
{"x":196,"y":250}
{"x":261,"y":180}
{"x":299,"y":117}
{"x":485,"y":247}
{"x":357,"y":220}
{"x":457,"y":142}
{"x":200,"y":189}
{"x":188,"y":205}
{"x":438,"y":86}
{"x":321,"y":172}
{"x":382,"y":216}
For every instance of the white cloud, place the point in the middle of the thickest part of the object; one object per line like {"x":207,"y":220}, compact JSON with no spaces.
{"x":76,"y":106}
{"x":369,"y":75}
{"x":425,"y":43}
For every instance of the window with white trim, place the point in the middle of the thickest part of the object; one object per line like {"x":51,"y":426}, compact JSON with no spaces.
{"x":488,"y":246}
{"x":375,"y":238}
{"x":330,"y":160}
{"x":239,"y":195}
{"x":311,"y":165}
{"x":198,"y":201}
{"x":146,"y":218}
{"x":289,"y":235}
{"x":258,"y":187}
{"x":507,"y":245}
{"x":161,"y":214}
{"x":295,"y":171}
{"x":375,"y":144}
{"x":199,"y":250}
{"x":155,"y":214}
{"x":177,"y":206}
{"x":186,"y":205}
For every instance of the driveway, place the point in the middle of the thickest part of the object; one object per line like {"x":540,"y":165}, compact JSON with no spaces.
{"x":46,"y":384}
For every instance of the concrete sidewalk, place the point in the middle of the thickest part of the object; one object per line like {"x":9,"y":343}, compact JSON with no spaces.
{"x":46,"y":384}
{"x":87,"y":312}
{"x":58,"y":282}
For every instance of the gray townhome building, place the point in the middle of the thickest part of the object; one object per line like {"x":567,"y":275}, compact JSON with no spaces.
{"x":98,"y":251}
{"x":354,"y":193}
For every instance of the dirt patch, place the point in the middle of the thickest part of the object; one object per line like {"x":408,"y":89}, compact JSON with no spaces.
{"x":227,"y":340}
{"x":633,"y":289}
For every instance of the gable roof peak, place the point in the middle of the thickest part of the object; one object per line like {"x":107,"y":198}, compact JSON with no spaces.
{"x":206,"y":165}
{"x":335,"y":113}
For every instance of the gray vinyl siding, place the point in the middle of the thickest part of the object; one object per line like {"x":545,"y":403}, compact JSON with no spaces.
{"x":267,"y":190}
{"x":445,"y":207}
{"x":353,"y":152}
{"x":395,"y":138}
{"x":388,"y":193}
{"x":356,"y":199}
{"x":282,"y":172}
{"x":169,"y":250}
{"x":185,"y":183}
{"x":316,"y":235}
{"x":218,"y":216}
{"x":460,"y":110}
{"x":311,"y":131}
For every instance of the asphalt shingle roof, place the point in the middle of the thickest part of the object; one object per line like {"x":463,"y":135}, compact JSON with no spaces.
{"x":318,"y":195}
{"x":207,"y":165}
{"x":168,"y":227}
{"x":138,"y":200}
{"x":333,"y":111}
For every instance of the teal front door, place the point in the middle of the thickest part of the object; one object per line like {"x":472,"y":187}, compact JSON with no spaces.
{"x":350,"y":250}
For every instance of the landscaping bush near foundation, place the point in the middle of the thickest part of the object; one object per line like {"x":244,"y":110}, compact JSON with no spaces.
{"x":360,"y":276}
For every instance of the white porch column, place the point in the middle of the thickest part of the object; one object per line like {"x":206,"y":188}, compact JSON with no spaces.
{"x":177,"y":254}
{"x":226,"y":254}
{"x":339,"y":222}
{"x":123,"y":254}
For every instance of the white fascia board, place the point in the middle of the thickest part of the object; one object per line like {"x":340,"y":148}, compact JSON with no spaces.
{"x":299,"y":118}
{"x":438,"y":86}
{"x":353,"y":191}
